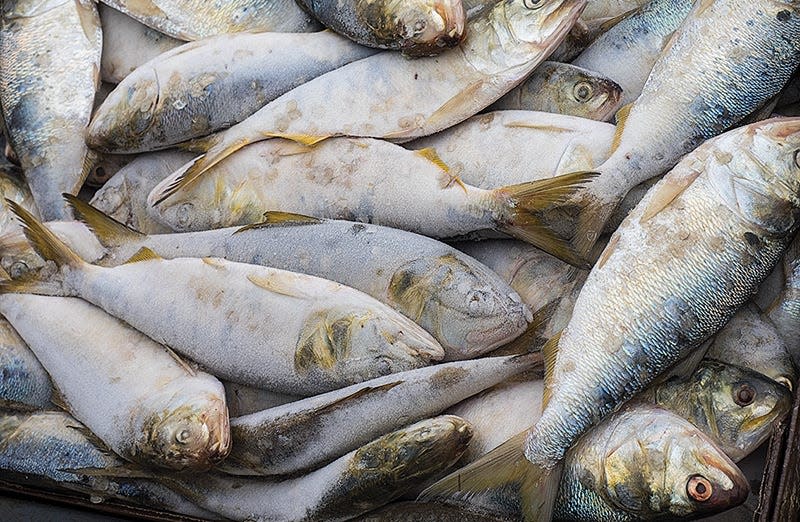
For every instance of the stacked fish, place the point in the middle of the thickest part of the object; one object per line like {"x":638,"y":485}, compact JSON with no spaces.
{"x":240,"y":305}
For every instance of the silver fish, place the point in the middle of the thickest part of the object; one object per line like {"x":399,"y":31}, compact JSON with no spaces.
{"x":785,"y":310}
{"x":24,"y":383}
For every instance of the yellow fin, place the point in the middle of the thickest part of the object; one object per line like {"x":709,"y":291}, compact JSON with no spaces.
{"x":485,"y":483}
{"x":521,"y":206}
{"x":214,"y":262}
{"x":143,"y":254}
{"x":178,"y":359}
{"x":536,"y":126}
{"x":276,"y":287}
{"x":670,"y":188}
{"x":281,"y":219}
{"x":454,"y":104}
{"x":303,"y":139}
{"x":550,"y":353}
{"x":607,"y":251}
{"x":429,"y":153}
{"x":108,"y":230}
{"x":46,"y":244}
{"x":622,"y":117}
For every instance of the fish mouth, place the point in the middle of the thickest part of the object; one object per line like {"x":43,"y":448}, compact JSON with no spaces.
{"x":613,"y":99}
{"x":219,"y":434}
{"x":431,"y":43}
{"x":725,"y":498}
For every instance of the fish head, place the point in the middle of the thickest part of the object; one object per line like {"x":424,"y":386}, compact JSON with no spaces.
{"x":467,"y":307}
{"x":660,"y":465}
{"x":361,"y":344}
{"x":126,"y":115}
{"x":590,"y":96}
{"x":425,"y":27}
{"x":17,"y":257}
{"x":756,"y":171}
{"x":190,"y":433}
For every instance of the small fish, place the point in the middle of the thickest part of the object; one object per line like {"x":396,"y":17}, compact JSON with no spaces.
{"x":207,"y":86}
{"x":276,"y":441}
{"x":391,"y":97}
{"x":197,"y":19}
{"x":360,"y":481}
{"x":45,"y":46}
{"x":289,"y":332}
{"x":564,"y":89}
{"x":414,"y":27}
{"x":784,"y":312}
{"x":164,"y":414}
{"x":24,"y":385}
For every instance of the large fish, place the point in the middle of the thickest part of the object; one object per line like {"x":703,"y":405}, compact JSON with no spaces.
{"x":49,"y":72}
{"x":210,"y":85}
{"x":466,"y":307}
{"x":163,"y":414}
{"x":389,"y":96}
{"x":256,"y":325}
{"x":693,"y":251}
{"x":415,"y":27}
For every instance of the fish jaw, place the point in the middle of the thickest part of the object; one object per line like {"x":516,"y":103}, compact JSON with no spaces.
{"x":427,"y":30}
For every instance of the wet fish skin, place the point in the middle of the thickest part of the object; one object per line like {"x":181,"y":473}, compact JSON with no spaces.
{"x":197,"y":19}
{"x":206,"y":86}
{"x":45,"y":46}
{"x":416,"y":27}
{"x":13,"y":187}
{"x":25,"y":384}
{"x":784,"y":311}
{"x":564,"y":89}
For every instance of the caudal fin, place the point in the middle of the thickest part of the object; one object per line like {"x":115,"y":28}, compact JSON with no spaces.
{"x":502,"y":482}
{"x":108,"y":230}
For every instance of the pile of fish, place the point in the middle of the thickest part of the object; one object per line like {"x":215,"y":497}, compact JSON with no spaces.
{"x":299,"y":260}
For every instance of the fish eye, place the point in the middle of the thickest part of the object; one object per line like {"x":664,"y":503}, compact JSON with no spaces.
{"x":785,"y":381}
{"x":582,"y":91}
{"x":744,"y":394}
{"x":699,"y":488}
{"x":18,"y":269}
{"x":182,"y":437}
{"x":797,"y":158}
{"x":476,"y":302}
{"x":533,"y":4}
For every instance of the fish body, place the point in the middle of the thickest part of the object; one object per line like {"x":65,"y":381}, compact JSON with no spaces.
{"x":14,"y":188}
{"x":25,"y":385}
{"x":364,"y":479}
{"x":564,"y":89}
{"x":244,"y":400}
{"x":276,"y":441}
{"x":415,"y":27}
{"x":49,"y":72}
{"x":161,"y":415}
{"x":210,"y":85}
{"x":784,"y":311}
{"x":627,"y":52}
{"x":389,"y":96}
{"x":198,"y":19}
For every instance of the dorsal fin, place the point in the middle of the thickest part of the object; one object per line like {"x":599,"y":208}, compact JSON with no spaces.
{"x":550,"y":353}
{"x":108,"y":230}
{"x":672,"y":186}
{"x":143,"y":254}
{"x":281,"y":219}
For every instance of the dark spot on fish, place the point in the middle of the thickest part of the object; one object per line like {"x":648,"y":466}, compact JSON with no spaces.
{"x":783,"y":16}
{"x":358,"y":227}
{"x":447,"y":377}
{"x":416,"y":76}
{"x":751,"y":239}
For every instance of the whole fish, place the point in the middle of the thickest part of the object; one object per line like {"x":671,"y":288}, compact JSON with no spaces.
{"x":25,"y":384}
{"x":751,"y":340}
{"x":508,"y":147}
{"x":704,"y":82}
{"x":693,"y":251}
{"x":196,"y":19}
{"x":244,"y":400}
{"x":264,"y":327}
{"x":416,"y":27}
{"x":163,"y":414}
{"x":53,"y":446}
{"x":389,"y":96}
{"x":357,"y":179}
{"x":627,"y":52}
{"x":461,"y":303}
{"x":276,"y":441}
{"x":562,"y":88}
{"x":49,"y":72}
{"x":212,"y":84}
{"x":127,"y":44}
{"x":784,"y":312}
{"x":364,"y":479}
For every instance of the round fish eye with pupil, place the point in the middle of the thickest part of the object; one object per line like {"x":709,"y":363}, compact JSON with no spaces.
{"x":699,"y":488}
{"x":582,"y":92}
{"x":182,"y":436}
{"x":533,"y":4}
{"x":744,"y":395}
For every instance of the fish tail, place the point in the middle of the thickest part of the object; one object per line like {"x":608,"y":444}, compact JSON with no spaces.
{"x":502,"y":478}
{"x":108,"y":230}
{"x":535,"y":212}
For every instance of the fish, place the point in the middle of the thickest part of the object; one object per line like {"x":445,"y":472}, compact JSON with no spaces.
{"x":391,"y":97}
{"x":627,"y":52}
{"x":564,"y":89}
{"x":279,"y":440}
{"x":360,"y":481}
{"x":692,"y":252}
{"x":267,"y":328}
{"x":751,"y":340}
{"x":52,"y":448}
{"x":460,"y":302}
{"x":357,"y":179}
{"x":197,"y":19}
{"x":127,"y":44}
{"x":660,"y":127}
{"x":209,"y":85}
{"x":164,"y":414}
{"x":416,"y":28}
{"x":244,"y":400}
{"x":25,"y":385}
{"x":46,"y":122}
{"x":525,"y":146}
{"x":784,"y":312}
